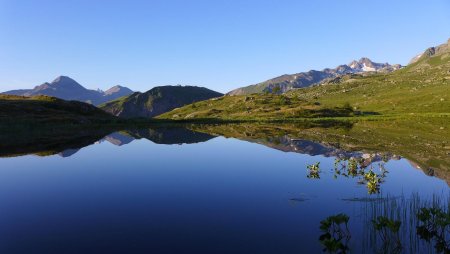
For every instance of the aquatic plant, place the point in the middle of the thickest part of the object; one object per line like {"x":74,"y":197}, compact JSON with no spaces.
{"x":335,"y":233}
{"x":393,"y":225}
{"x":435,"y":226}
{"x":417,"y":225}
{"x":356,"y":167}
{"x":388,"y":230}
{"x":314,"y":171}
{"x":372,"y":182}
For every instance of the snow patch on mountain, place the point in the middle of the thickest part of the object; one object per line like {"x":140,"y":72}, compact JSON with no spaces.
{"x":367,"y":68}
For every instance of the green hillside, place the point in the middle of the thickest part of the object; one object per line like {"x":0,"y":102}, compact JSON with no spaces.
{"x":422,"y":87}
{"x":257,"y":107}
{"x":157,"y":101}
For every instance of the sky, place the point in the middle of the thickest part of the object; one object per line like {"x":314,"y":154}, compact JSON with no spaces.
{"x":220,"y":44}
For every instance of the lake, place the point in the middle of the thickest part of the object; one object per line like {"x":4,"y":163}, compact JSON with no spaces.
{"x":215,"y":189}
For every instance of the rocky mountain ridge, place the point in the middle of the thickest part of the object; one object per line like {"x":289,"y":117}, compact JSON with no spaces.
{"x":66,"y":88}
{"x":288,"y":82}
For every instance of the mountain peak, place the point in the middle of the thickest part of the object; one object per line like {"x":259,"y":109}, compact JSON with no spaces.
{"x":66,"y":88}
{"x":63,"y":79}
{"x":360,"y":63}
{"x":66,"y":83}
{"x":365,"y":59}
{"x":118,"y":90}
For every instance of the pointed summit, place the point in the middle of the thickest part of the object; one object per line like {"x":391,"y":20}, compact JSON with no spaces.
{"x":118,"y":91}
{"x":65,"y":82}
{"x":365,"y":60}
{"x":66,"y":88}
{"x":63,"y":79}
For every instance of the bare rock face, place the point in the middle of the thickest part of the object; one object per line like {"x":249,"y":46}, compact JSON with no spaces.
{"x":432,"y":51}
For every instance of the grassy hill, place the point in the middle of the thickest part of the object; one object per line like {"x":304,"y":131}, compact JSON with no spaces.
{"x":157,"y":101}
{"x":255,"y":107}
{"x":20,"y":110}
{"x":422,"y":87}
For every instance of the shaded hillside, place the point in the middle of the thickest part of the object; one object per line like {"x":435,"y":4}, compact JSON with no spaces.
{"x":16,"y":110}
{"x":50,"y":140}
{"x":157,"y":101}
{"x":68,"y":89}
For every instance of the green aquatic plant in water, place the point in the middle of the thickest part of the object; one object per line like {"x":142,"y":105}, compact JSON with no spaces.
{"x":416,"y":224}
{"x":435,"y":226}
{"x":372,"y":182}
{"x":314,"y":171}
{"x":347,"y":167}
{"x":335,"y":233}
{"x":393,"y":225}
{"x":352,"y":168}
{"x":356,"y":167}
{"x":388,"y":230}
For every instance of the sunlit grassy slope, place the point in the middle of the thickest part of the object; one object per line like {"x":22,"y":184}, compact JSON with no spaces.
{"x":256,"y":107}
{"x":422,"y":87}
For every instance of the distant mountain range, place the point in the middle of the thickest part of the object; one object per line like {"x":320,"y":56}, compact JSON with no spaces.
{"x":420,"y":87}
{"x":157,"y":101}
{"x":287,"y":82}
{"x":68,"y":89}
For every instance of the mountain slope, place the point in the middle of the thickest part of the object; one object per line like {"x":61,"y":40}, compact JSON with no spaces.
{"x":68,"y":89}
{"x":420,"y":88}
{"x":116,"y":92}
{"x":157,"y":101}
{"x":15,"y":110}
{"x":285,"y":83}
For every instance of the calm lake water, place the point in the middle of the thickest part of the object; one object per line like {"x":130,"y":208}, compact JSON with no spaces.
{"x":179,"y":191}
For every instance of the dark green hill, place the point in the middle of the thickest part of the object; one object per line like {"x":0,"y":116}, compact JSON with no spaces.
{"x":157,"y":101}
{"x":16,"y":110}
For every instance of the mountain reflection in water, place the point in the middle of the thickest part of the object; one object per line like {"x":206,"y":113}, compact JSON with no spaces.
{"x":240,"y":188}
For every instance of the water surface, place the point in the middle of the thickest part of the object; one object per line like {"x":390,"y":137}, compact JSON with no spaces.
{"x":175,"y":190}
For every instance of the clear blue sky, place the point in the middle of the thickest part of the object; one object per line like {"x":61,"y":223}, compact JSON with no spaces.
{"x":218,"y":44}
